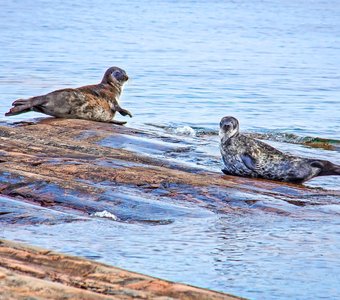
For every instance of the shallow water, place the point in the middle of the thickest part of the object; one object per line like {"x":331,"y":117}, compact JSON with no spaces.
{"x":272,"y":64}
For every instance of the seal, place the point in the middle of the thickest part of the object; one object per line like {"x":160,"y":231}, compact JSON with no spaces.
{"x":248,"y":157}
{"x":98,"y":102}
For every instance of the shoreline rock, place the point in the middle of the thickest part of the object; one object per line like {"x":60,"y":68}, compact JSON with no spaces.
{"x":28,"y":272}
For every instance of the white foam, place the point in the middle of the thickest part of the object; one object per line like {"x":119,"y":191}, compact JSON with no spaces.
{"x":105,"y":214}
{"x":185,"y":130}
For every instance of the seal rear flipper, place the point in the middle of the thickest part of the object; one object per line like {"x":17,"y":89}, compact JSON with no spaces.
{"x":21,"y":105}
{"x":326,"y":167}
{"x":16,"y":111}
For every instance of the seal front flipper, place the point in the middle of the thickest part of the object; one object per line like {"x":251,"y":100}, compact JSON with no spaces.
{"x":125,"y":112}
{"x":249,"y":161}
{"x":122,"y":111}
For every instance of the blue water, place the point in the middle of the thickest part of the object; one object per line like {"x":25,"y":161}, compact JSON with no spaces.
{"x":272,"y":64}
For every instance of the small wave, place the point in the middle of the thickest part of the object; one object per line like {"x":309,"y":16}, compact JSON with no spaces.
{"x":184,"y":130}
{"x":180,"y":130}
{"x":105,"y":214}
{"x":193,"y":131}
{"x":314,"y":142}
{"x":283,"y":137}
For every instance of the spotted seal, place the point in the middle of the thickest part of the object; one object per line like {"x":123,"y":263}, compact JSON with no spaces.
{"x":98,"y":102}
{"x":248,"y":157}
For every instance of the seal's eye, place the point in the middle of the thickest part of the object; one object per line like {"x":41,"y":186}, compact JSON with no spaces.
{"x":115,"y":73}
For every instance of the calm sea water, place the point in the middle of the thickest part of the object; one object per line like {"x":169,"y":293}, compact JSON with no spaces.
{"x":272,"y":64}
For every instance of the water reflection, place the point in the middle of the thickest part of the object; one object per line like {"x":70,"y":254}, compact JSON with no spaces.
{"x":251,"y":255}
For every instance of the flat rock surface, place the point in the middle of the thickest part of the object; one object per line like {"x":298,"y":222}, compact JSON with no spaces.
{"x":77,"y":167}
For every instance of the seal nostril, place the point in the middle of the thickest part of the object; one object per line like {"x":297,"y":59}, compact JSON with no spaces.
{"x":226,"y":127}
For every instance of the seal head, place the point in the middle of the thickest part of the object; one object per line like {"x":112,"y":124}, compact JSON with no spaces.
{"x":114,"y":75}
{"x":229,"y":127}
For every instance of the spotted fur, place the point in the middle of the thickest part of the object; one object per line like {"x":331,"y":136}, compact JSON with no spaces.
{"x":248,"y":157}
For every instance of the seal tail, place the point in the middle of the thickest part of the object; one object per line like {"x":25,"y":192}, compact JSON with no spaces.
{"x":326,"y":167}
{"x":25,"y":105}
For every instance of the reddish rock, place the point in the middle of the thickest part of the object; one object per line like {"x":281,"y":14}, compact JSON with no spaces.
{"x":32,"y":273}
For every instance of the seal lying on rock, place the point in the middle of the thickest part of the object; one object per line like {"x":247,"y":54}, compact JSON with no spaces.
{"x":98,"y":102}
{"x":247,"y":157}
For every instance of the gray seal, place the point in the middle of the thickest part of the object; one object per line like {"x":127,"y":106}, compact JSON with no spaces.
{"x":98,"y":102}
{"x":248,"y":157}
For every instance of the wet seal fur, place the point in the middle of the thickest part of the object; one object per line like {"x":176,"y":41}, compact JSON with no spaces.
{"x":248,"y":157}
{"x":98,"y":102}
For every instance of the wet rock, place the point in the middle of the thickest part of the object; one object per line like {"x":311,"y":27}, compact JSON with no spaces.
{"x":65,"y":166}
